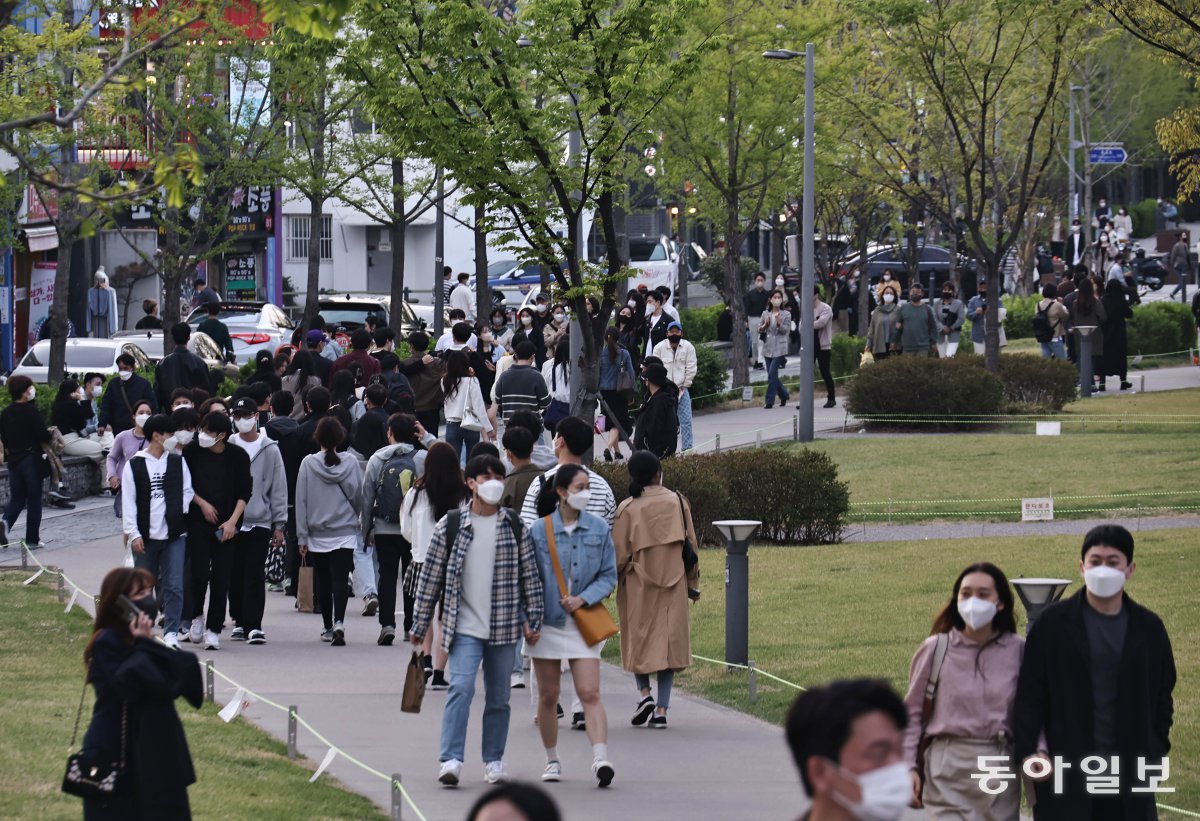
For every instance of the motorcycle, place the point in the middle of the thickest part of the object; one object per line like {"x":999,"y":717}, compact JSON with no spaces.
{"x":1148,"y":272}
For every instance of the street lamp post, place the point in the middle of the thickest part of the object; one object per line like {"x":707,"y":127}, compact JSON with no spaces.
{"x":737,"y":533}
{"x":807,"y":262}
{"x":1072,"y":144}
{"x":439,"y":255}
{"x":1037,"y":595}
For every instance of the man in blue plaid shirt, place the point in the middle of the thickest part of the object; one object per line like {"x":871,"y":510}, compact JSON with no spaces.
{"x":481,"y":567}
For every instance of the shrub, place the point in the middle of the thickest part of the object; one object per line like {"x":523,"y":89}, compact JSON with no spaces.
{"x":1145,"y":217}
{"x":845,"y":353}
{"x":700,"y":324}
{"x":758,"y":483}
{"x":922,"y":387}
{"x":712,"y":372}
{"x":712,"y":271}
{"x":1019,"y":322}
{"x":1161,"y":327}
{"x":1033,"y":384}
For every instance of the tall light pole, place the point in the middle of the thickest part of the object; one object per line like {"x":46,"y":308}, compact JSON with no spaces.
{"x":1072,"y":144}
{"x":807,"y":261}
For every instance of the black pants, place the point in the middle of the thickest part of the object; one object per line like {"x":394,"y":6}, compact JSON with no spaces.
{"x":429,"y":419}
{"x":211,"y":563}
{"x":247,"y":581}
{"x":330,"y":572}
{"x":822,"y":357}
{"x":291,"y":552}
{"x":395,"y":555}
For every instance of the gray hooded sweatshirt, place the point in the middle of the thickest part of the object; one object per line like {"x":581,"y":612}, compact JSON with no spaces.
{"x":328,"y":497}
{"x":371,"y":485}
{"x":268,"y":503}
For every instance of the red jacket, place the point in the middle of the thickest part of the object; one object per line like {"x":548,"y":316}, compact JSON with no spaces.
{"x":368,"y":363}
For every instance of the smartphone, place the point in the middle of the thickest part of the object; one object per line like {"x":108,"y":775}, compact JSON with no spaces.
{"x":220,"y":534}
{"x":129,"y":610}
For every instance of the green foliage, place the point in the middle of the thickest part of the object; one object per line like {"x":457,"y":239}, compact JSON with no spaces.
{"x":1035,"y":384}
{"x":712,"y":372}
{"x":1161,"y":327}
{"x":1019,"y":322}
{"x":756,"y":483}
{"x":712,"y":271}
{"x":845,"y":353}
{"x":920,"y":387}
{"x":1145,"y":217}
{"x":700,"y":324}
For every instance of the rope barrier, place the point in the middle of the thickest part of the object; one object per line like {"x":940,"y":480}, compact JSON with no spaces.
{"x":913,"y":502}
{"x":756,"y":669}
{"x":395,"y":784}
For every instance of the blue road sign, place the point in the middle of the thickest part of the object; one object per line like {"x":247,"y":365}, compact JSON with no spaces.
{"x":1107,"y":155}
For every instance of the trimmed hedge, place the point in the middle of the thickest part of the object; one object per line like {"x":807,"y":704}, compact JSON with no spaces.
{"x":1161,"y":327}
{"x":1018,"y":324}
{"x":1145,"y":217}
{"x":923,"y":387}
{"x":795,"y":493}
{"x":712,"y":371}
{"x":700,"y":324}
{"x":845,"y":354}
{"x":1034,"y":384}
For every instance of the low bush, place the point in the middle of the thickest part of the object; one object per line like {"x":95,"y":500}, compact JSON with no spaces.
{"x":1161,"y":327}
{"x":712,"y":371}
{"x":922,"y":387}
{"x":845,"y":353}
{"x":1145,"y":217}
{"x":1033,"y":384}
{"x":758,"y":483}
{"x":1018,"y":324}
{"x":700,"y":324}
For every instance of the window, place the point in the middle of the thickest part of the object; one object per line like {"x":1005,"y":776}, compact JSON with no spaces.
{"x":298,"y":234}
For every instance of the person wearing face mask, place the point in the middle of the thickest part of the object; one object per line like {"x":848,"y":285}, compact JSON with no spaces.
{"x":949,"y":314}
{"x":521,"y":387}
{"x":158,"y":491}
{"x":883,"y":327}
{"x":531,"y":324}
{"x":185,"y":420}
{"x":137,"y":680}
{"x":23,"y":432}
{"x":888,"y":282}
{"x":916,"y":329}
{"x":71,"y":414}
{"x":222,"y":483}
{"x":1076,"y":248}
{"x":125,"y":445}
{"x":629,"y":334}
{"x":1123,"y":225}
{"x":776,"y":324}
{"x":823,"y":342}
{"x":755,"y":302}
{"x":1103,"y":213}
{"x":1097,"y":680}
{"x":180,"y":368}
{"x":491,"y":595}
{"x":616,"y":368}
{"x":846,"y":740}
{"x":961,"y":687}
{"x":263,"y":524}
{"x":556,"y":330}
{"x":656,"y":322}
{"x":575,"y":552}
{"x":501,"y":331}
{"x":679,"y":358}
{"x":116,"y":408}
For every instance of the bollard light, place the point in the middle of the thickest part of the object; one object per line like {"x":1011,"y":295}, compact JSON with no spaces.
{"x":737,"y":533}
{"x":1085,"y":359}
{"x":1038,"y":594}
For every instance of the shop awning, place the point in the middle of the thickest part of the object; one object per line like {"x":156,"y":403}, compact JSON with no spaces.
{"x":41,"y":238}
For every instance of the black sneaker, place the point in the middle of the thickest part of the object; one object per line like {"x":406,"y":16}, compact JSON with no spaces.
{"x":386,"y":636}
{"x":558,"y":710}
{"x":607,"y":455}
{"x":237,"y":634}
{"x":831,"y":403}
{"x":658,"y":723}
{"x":339,"y":636}
{"x":578,"y":722}
{"x":438,"y":682}
{"x":642,"y":711}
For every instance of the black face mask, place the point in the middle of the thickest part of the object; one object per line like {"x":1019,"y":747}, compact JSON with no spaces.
{"x":148,"y":605}
{"x":674,"y":339}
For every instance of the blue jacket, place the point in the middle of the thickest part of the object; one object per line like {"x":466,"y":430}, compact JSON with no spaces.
{"x":588,"y":559}
{"x":609,"y":370}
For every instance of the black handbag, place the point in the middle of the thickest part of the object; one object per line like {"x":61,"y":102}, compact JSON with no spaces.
{"x":690,"y":559}
{"x":89,"y":777}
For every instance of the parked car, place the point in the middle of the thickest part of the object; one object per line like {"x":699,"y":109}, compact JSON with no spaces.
{"x":346,"y":313}
{"x":512,"y":281}
{"x":932,"y":261}
{"x":253,"y":326}
{"x":201,"y":344}
{"x":83,"y":356}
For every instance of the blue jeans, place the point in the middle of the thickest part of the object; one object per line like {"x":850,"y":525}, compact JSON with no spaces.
{"x":466,"y":654}
{"x":684,"y":411}
{"x":25,"y":493}
{"x":666,"y":678}
{"x":1054,"y":349}
{"x":461,"y":440}
{"x":164,"y":559}
{"x":774,"y":363}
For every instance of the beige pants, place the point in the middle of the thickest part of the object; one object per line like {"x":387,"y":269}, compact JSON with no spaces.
{"x":94,"y":447}
{"x":951,"y":793}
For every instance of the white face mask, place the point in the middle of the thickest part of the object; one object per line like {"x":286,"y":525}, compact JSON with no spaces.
{"x":559,"y":317}
{"x":184,"y":437}
{"x":31,"y":394}
{"x":887,"y":277}
{"x":1104,"y":582}
{"x":778,"y":282}
{"x":125,"y":375}
{"x":541,"y":309}
{"x":526,"y":320}
{"x":140,"y":419}
{"x":170,"y":444}
{"x":632,"y":303}
{"x":777,"y":302}
{"x":182,"y":405}
{"x":490,"y":492}
{"x":485,"y":337}
{"x":98,"y":391}
{"x":579,"y":500}
{"x":207,"y":440}
{"x":245,"y":425}
{"x":889,"y":297}
{"x":1074,"y":229}
{"x":977,"y":613}
{"x":885,"y":793}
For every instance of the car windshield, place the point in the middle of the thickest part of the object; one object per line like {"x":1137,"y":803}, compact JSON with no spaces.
{"x":79,"y":357}
{"x":646,"y":250}
{"x":346,"y":317}
{"x":499,"y":267}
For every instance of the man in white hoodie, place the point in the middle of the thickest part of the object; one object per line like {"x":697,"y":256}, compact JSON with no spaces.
{"x":154,"y":512}
{"x":262,"y":525}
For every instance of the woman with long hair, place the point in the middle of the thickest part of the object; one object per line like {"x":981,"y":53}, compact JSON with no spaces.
{"x":776,"y":323}
{"x":629,"y":333}
{"x":975,"y":646}
{"x":1087,"y":311}
{"x":557,"y":373}
{"x":584,"y":551}
{"x":300,"y":378}
{"x":527,"y":323}
{"x":1114,"y":360}
{"x":264,"y":370}
{"x":463,"y":397}
{"x":23,"y":432}
{"x":134,"y":722}
{"x":71,"y":414}
{"x":438,"y":490}
{"x":328,"y":497}
{"x":614,"y":361}
{"x":654,"y":585}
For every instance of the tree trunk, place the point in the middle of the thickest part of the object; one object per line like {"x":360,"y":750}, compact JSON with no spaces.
{"x":173,"y":269}
{"x":991,"y":269}
{"x":734,"y":291}
{"x":316,"y":199}
{"x":397,"y":231}
{"x":483,"y":294}
{"x":864,"y":284}
{"x":58,"y":319}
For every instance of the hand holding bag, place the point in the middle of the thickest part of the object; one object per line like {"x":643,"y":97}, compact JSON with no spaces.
{"x":304,"y":586}
{"x":89,"y":777}
{"x":594,"y":621}
{"x":474,"y":416}
{"x":414,"y":685}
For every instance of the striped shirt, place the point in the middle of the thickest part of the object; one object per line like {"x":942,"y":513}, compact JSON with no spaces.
{"x":602,"y":502}
{"x":521,"y":388}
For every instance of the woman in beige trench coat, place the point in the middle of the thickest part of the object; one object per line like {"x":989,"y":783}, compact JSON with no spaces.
{"x":652,"y":585}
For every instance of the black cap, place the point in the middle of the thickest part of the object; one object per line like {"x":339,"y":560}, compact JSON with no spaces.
{"x":244,"y":407}
{"x":655,"y":375}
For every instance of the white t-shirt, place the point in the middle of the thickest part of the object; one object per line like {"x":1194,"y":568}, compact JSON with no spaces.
{"x":479,"y":566}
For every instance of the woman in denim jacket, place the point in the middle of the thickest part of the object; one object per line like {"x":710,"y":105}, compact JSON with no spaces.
{"x":589,"y":564}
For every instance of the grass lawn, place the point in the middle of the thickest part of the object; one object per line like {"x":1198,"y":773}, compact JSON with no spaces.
{"x":818,"y":614}
{"x":241,"y":772}
{"x":1090,"y":458}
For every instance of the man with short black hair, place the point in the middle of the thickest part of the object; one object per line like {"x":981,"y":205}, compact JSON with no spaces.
{"x":217,"y":329}
{"x":154,"y":504}
{"x":755,"y":303}
{"x":461,"y":297}
{"x":1096,"y":680}
{"x":446,"y":340}
{"x":518,"y":448}
{"x":447,"y":284}
{"x":286,"y":432}
{"x":203,"y":295}
{"x":399,"y":389}
{"x":521,"y":387}
{"x":316,"y":340}
{"x":369,"y":432}
{"x":542,"y":454}
{"x":847,"y":741}
{"x":180,"y":368}
{"x":360,"y":341}
{"x":122,"y":396}
{"x":332,"y":350}
{"x":425,"y":372}
{"x":384,"y":340}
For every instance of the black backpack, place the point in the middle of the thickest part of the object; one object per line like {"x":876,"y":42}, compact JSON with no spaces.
{"x":395,"y":480}
{"x":1043,"y":328}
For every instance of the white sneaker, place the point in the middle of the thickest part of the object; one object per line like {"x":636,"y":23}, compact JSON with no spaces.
{"x":450,"y":772}
{"x":553,"y":771}
{"x":604,"y":772}
{"x":196,"y":633}
{"x":494,"y":772}
{"x":171,"y":640}
{"x":211,"y":640}
{"x":517,"y":681}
